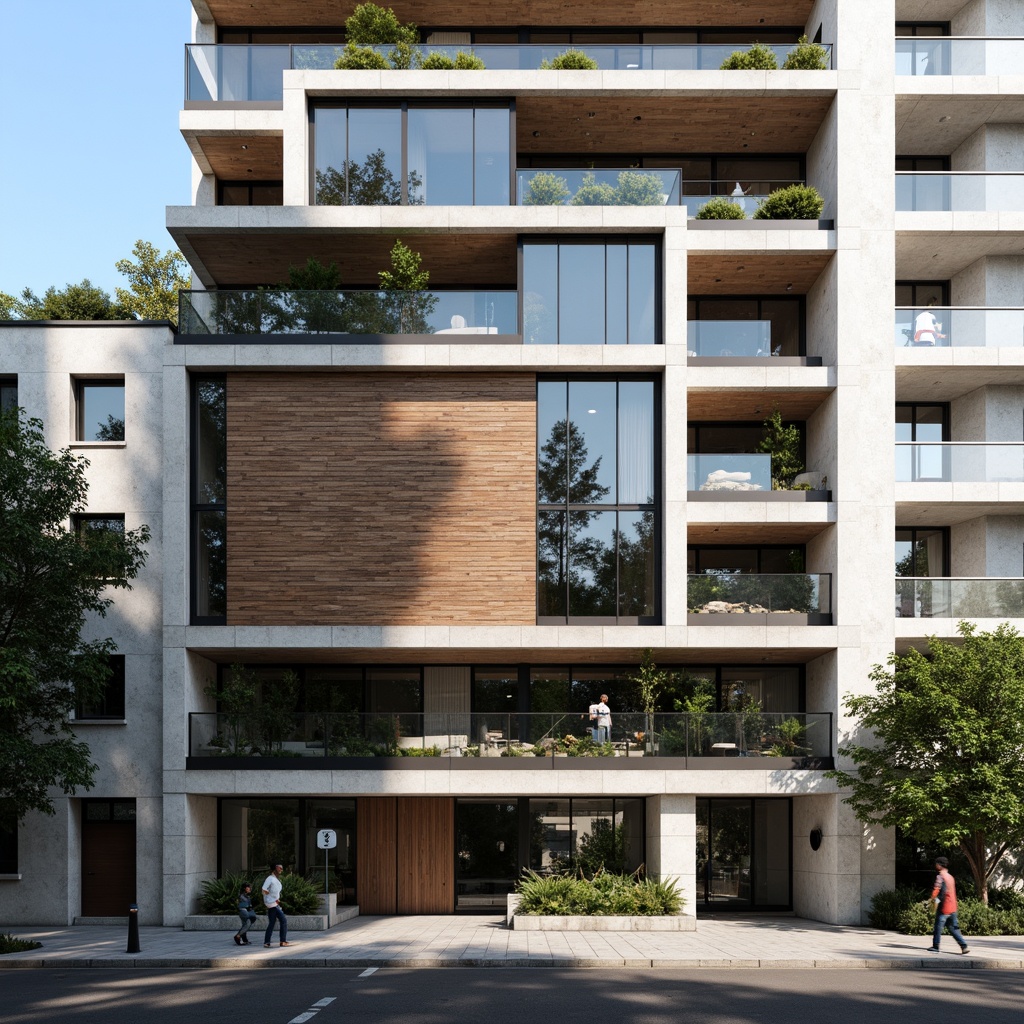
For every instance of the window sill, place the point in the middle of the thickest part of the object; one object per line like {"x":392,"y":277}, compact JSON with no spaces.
{"x":98,"y":444}
{"x":10,"y":878}
{"x":99,"y":721}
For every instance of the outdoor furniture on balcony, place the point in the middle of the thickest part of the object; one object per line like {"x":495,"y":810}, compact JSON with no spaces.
{"x":961,"y":327}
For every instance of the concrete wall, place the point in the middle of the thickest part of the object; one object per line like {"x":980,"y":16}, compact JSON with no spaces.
{"x":671,"y":843}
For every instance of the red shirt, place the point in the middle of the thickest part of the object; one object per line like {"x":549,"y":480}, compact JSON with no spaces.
{"x":946,"y":884}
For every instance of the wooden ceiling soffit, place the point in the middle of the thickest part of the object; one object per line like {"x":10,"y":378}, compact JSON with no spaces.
{"x":752,"y":404}
{"x":243,"y":260}
{"x":745,"y":273}
{"x":542,"y":13}
{"x":243,"y":158}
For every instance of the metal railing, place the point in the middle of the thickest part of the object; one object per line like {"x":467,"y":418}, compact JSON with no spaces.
{"x":230,"y":72}
{"x":958,"y":55}
{"x":961,"y":598}
{"x":960,"y":462}
{"x":959,"y":326}
{"x":749,"y":733}
{"x":729,"y":472}
{"x":726,"y":338}
{"x":959,"y":191}
{"x":355,"y":312}
{"x":743,"y":594}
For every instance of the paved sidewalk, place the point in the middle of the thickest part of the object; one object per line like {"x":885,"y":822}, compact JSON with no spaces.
{"x":484,"y":941}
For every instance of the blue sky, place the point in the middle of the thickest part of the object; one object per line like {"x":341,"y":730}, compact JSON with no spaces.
{"x":90,"y":152}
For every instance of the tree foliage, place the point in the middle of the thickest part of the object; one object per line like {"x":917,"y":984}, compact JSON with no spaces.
{"x":806,"y":56}
{"x":153,"y":282}
{"x":570,"y":60}
{"x":721,"y":208}
{"x":794,"y":202}
{"x":49,"y":579}
{"x":782,"y":442}
{"x":758,"y":58}
{"x":947,"y":764}
{"x":546,"y":189}
{"x":82,"y":301}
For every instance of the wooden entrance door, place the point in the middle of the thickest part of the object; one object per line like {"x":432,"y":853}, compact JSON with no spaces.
{"x":406,"y":855}
{"x":108,"y":857}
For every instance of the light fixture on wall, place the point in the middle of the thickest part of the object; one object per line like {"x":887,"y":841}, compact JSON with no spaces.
{"x":815,"y":838}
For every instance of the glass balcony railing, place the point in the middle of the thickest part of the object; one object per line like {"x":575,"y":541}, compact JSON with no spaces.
{"x":219,"y":72}
{"x":749,"y":733}
{"x":774,"y":594}
{"x":960,"y":462}
{"x":728,"y":473}
{"x":959,"y":191}
{"x":636,"y":186}
{"x":959,"y":326}
{"x":456,"y":313}
{"x":726,"y":338}
{"x":932,"y":55}
{"x":942,"y":598}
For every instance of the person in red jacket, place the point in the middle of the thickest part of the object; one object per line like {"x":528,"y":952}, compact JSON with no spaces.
{"x":944,"y":898}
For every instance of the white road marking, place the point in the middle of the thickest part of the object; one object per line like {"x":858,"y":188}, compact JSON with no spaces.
{"x":326,"y":1001}
{"x":303,"y":1017}
{"x":368,"y":972}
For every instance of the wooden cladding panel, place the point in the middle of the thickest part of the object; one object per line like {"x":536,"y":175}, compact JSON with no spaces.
{"x":426,"y":855}
{"x":377,"y":855}
{"x":252,"y":157}
{"x":547,"y":13}
{"x":381,"y":499}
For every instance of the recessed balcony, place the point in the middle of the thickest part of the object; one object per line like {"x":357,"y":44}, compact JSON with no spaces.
{"x":743,"y":599}
{"x":960,"y":598}
{"x":233,"y":73}
{"x":744,"y":477}
{"x":959,"y":326}
{"x":992,"y":462}
{"x":959,"y":192}
{"x":950,"y":55}
{"x":538,"y":741}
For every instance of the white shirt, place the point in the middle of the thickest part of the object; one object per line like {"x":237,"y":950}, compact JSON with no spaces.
{"x":271,"y":891}
{"x":604,"y":715}
{"x":926,"y":322}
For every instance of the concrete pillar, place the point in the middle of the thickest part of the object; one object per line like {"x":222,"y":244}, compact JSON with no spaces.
{"x":671,"y":844}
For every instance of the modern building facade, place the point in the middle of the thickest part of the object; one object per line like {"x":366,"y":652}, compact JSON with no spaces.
{"x":408,"y":538}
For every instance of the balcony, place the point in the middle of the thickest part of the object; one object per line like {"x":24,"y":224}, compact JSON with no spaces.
{"x":964,"y":598}
{"x":947,"y":55}
{"x":959,"y":192}
{"x":960,"y":462}
{"x":743,"y":599}
{"x":542,"y":741}
{"x":960,"y":327}
{"x":222,"y":73}
{"x":330,"y":316}
{"x":731,"y":339}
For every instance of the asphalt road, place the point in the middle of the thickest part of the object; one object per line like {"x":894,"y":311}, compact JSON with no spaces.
{"x":510,"y":996}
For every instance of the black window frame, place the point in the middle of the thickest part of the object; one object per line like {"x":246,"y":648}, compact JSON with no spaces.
{"x":81,"y":385}
{"x":196,"y":507}
{"x":654,"y":507}
{"x":914,"y":406}
{"x":944,"y":531}
{"x":111,"y":707}
{"x":799,"y":300}
{"x":249,"y":185}
{"x":8,"y":382}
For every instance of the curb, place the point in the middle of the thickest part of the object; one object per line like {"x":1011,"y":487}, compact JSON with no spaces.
{"x":263,"y":963}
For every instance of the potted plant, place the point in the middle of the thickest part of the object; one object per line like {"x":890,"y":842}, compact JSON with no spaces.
{"x":806,"y":56}
{"x":570,"y":60}
{"x":758,"y":58}
{"x":794,"y":202}
{"x":721,"y":208}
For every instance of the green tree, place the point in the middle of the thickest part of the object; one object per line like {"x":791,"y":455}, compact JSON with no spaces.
{"x":311,"y":301}
{"x":782,"y":442}
{"x":758,"y":58}
{"x":546,"y":189}
{"x":49,"y":579}
{"x":946,"y":764}
{"x":8,"y":306}
{"x":83,"y":301}
{"x":593,"y":192}
{"x":408,"y":304}
{"x":153,"y":282}
{"x":637,"y":188}
{"x":370,"y":183}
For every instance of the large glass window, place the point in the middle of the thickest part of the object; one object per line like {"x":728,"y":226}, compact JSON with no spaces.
{"x":110,"y":704}
{"x":741,"y":334}
{"x":209,"y":498}
{"x":586,"y":834}
{"x":591,"y":293}
{"x":597,"y":524}
{"x":100,"y":409}
{"x":8,"y":393}
{"x":436,"y":155}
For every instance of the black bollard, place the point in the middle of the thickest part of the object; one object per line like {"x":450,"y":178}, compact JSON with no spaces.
{"x":133,"y":930}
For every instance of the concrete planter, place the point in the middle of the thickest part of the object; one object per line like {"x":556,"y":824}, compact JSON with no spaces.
{"x":296,"y":922}
{"x":676,"y":923}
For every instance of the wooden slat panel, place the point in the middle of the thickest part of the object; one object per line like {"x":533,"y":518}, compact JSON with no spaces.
{"x":752,"y":273}
{"x":376,"y":855}
{"x":426,"y":855}
{"x":241,"y":158}
{"x":377,"y":498}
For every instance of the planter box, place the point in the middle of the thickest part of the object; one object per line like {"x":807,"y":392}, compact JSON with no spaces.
{"x":676,"y":923}
{"x":296,"y":922}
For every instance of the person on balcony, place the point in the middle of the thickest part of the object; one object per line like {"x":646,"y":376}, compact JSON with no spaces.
{"x":601,"y":720}
{"x":927,"y":328}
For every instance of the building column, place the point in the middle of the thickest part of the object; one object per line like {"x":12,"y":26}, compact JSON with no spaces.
{"x":672,"y":844}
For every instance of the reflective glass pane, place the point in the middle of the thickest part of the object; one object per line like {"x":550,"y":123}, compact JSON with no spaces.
{"x":487,"y":848}
{"x":339,"y":815}
{"x":330,"y":128}
{"x":905,"y":553}
{"x":549,"y":691}
{"x":101,"y":412}
{"x":784,"y":316}
{"x":551,"y":440}
{"x":636,"y":563}
{"x":370,"y":171}
{"x":540,"y":294}
{"x":211,"y":564}
{"x":616,"y":316}
{"x":395,"y":690}
{"x":211,"y":442}
{"x":441,"y":156}
{"x":594,"y":833}
{"x":552,"y":563}
{"x":495,"y":690}
{"x":592,"y":429}
{"x":581,"y":294}
{"x":641,"y":294}
{"x":636,"y":442}
{"x":591,"y":563}
{"x":930,"y":420}
{"x":551,"y":838}
{"x":630,"y":827}
{"x":491,"y":157}
{"x":771,"y":853}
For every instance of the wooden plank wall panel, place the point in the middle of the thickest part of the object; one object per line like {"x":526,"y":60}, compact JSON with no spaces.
{"x":381,"y":499}
{"x":376,"y":855}
{"x":426,"y":855}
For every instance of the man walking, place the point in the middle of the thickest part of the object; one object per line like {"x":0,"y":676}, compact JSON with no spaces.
{"x":944,"y":898}
{"x":272,"y":901}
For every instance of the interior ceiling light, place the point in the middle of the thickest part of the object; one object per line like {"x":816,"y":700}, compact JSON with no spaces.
{"x":536,"y":135}
{"x":638,"y":118}
{"x":244,"y":146}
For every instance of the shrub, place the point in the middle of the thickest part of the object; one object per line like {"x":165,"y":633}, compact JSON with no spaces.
{"x":361,"y":58}
{"x":721,"y":208}
{"x":904,"y":910}
{"x":795,"y":202}
{"x":806,"y":56}
{"x":758,"y":58}
{"x":468,"y":62}
{"x":546,"y":189}
{"x":10,"y":944}
{"x":220,"y":895}
{"x":593,"y":192}
{"x":571,"y":60}
{"x":604,"y":895}
{"x":369,"y":24}
{"x":634,"y":188}
{"x":434,"y":751}
{"x":462,"y":61}
{"x":299,"y":895}
{"x":888,"y":905}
